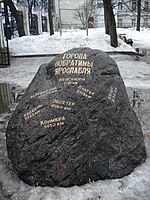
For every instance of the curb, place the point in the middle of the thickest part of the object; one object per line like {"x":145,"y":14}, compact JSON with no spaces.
{"x":126,"y":53}
{"x":50,"y":55}
{"x":33,"y":55}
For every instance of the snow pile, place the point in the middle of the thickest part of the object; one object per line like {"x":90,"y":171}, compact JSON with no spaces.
{"x":55,"y":44}
{"x":141,"y":38}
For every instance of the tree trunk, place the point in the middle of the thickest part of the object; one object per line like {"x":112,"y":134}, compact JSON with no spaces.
{"x":110,"y":23}
{"x":107,"y":31}
{"x":50,"y":17}
{"x":113,"y":34}
{"x":138,"y":15}
{"x":17,"y":17}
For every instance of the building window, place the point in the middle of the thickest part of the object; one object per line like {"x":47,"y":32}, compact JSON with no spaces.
{"x":92,"y":2}
{"x":146,"y":22}
{"x":133,"y":22}
{"x":53,"y":7}
{"x":120,"y":6}
{"x":133,"y":5}
{"x":120,"y":25}
{"x":146,"y":5}
{"x":99,"y":4}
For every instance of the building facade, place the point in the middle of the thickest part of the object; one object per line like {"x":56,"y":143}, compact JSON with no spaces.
{"x":127,"y":14}
{"x":75,"y":13}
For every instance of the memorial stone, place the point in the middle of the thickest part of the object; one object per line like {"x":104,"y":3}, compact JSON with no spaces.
{"x":75,"y":124}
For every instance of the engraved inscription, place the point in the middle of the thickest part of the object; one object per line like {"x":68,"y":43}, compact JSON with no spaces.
{"x":75,"y":56}
{"x":73,"y":70}
{"x":58,"y":121}
{"x":60,"y":104}
{"x":73,"y":64}
{"x":73,"y":81}
{"x":112,"y":94}
{"x":33,"y":112}
{"x":45,"y":92}
{"x":85,"y":92}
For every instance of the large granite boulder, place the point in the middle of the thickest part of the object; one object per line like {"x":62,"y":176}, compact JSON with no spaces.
{"x":74,"y":123}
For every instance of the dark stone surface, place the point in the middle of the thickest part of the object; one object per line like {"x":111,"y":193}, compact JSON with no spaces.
{"x":74,"y":124}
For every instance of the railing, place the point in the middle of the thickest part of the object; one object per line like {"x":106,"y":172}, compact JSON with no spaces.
{"x":13,"y":25}
{"x":4,"y":57}
{"x":6,"y":97}
{"x":44,"y":24}
{"x":33,"y":24}
{"x":4,"y":49}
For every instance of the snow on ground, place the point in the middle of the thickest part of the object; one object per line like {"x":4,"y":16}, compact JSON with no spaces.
{"x":96,"y":39}
{"x":134,"y":71}
{"x":136,"y":75}
{"x":22,"y":71}
{"x":46,"y":44}
{"x":141,"y":38}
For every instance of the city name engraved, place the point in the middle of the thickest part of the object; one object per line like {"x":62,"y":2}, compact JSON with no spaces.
{"x":58,"y":121}
{"x":85,"y":92}
{"x":33,"y":112}
{"x":66,"y":105}
{"x":44,"y":93}
{"x":73,"y":64}
{"x":73,"y":70}
{"x":112,"y":94}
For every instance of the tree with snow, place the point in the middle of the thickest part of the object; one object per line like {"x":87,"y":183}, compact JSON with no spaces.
{"x":50,"y":17}
{"x":17,"y":17}
{"x":110,"y":23}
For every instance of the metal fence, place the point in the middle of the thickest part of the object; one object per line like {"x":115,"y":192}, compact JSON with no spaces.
{"x":6,"y":98}
{"x":44,"y":24}
{"x":33,"y":24}
{"x":4,"y":49}
{"x":4,"y":57}
{"x":13,"y":25}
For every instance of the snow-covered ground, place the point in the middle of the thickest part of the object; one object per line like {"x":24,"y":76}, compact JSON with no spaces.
{"x":22,"y":71}
{"x":96,"y":39}
{"x":136,"y":75}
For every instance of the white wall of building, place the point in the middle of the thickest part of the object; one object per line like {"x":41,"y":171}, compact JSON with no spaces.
{"x":127,"y":18}
{"x":68,"y":11}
